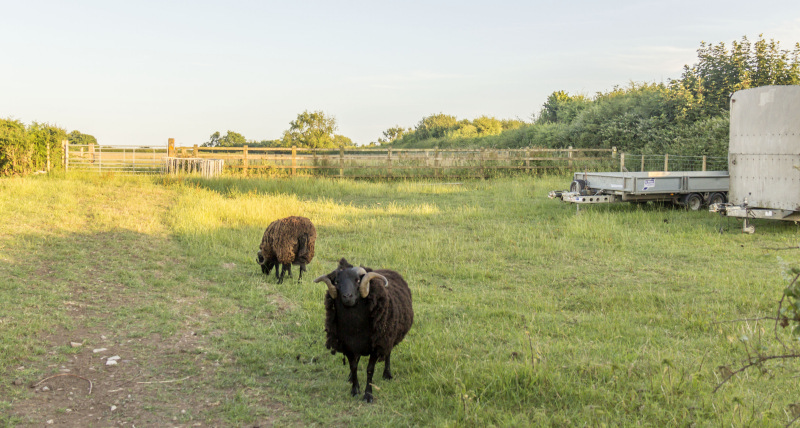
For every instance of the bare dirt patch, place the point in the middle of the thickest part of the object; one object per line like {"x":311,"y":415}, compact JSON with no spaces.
{"x":103,"y":372}
{"x":151,"y":381}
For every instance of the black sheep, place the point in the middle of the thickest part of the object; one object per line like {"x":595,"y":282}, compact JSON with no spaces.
{"x":287,"y":241}
{"x":368,"y":312}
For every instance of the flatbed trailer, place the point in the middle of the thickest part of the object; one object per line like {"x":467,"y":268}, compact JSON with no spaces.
{"x":692,"y":189}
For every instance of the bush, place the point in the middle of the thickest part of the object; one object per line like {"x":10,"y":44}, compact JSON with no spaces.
{"x":25,"y":150}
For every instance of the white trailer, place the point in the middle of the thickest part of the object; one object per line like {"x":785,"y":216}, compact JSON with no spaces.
{"x":692,"y":189}
{"x":764,"y":155}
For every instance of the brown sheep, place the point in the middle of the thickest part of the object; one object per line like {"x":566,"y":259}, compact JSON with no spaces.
{"x":367,"y":312}
{"x":287,"y":241}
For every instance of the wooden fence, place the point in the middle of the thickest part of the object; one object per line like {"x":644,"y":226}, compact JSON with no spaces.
{"x":355,"y":162}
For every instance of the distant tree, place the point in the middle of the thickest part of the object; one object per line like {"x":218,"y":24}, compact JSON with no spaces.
{"x":485,"y":125}
{"x":75,"y":137}
{"x":560,"y":107}
{"x":435,"y":126}
{"x":705,"y":88}
{"x":341,"y":140}
{"x":463,"y":130}
{"x":311,"y":129}
{"x":509,"y":124}
{"x":231,"y":139}
{"x":266,"y":143}
{"x":392,"y":134}
{"x":213,"y":140}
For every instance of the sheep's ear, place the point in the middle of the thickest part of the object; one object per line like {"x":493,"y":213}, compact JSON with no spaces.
{"x":331,"y":288}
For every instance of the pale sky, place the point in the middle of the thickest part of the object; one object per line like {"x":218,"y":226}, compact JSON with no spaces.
{"x":140,"y":72}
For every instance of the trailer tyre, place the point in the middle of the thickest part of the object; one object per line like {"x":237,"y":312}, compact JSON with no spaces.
{"x":693,"y":201}
{"x":717,"y":198}
{"x":578,"y":186}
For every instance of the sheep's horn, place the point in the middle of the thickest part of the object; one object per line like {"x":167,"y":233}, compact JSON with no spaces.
{"x":363,"y":288}
{"x":331,"y":288}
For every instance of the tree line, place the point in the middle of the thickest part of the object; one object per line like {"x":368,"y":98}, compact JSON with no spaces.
{"x":685,"y":116}
{"x":312,"y":129}
{"x":25,"y":149}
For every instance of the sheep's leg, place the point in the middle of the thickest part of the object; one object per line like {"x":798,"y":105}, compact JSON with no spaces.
{"x":353,"y":359}
{"x":289,"y":267}
{"x":278,"y":276}
{"x":373,"y":358}
{"x":300,"y":275}
{"x":387,"y":367}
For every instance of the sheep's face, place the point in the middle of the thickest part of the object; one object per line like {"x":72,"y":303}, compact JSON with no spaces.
{"x":347,"y":282}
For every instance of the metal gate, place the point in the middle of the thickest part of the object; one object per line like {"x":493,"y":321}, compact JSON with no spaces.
{"x":116,"y":159}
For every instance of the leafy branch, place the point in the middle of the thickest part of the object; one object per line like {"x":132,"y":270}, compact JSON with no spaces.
{"x":788,"y":315}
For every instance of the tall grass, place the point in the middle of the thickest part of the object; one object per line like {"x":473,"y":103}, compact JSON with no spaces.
{"x":526,"y":313}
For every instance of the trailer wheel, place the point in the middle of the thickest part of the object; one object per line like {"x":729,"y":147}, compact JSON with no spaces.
{"x":693,"y":201}
{"x":578,"y":186}
{"x":717,"y":198}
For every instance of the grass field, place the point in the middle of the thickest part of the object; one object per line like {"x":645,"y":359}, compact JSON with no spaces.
{"x":526,"y":314}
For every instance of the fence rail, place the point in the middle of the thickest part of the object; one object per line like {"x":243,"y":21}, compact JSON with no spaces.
{"x":638,"y":162}
{"x":397,"y":163}
{"x":370,"y":162}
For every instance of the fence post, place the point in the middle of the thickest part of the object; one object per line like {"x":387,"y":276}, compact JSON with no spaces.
{"x":294,"y":160}
{"x":614,"y":152}
{"x":91,"y":152}
{"x":666,"y":162}
{"x":704,"y":163}
{"x":436,"y":162}
{"x":245,"y":162}
{"x":569,"y":156}
{"x":622,"y":162}
{"x":65,"y":146}
{"x":528,"y":161}
{"x":48,"y":156}
{"x":389,"y":162}
{"x":171,"y":148}
{"x":483,"y":163}
{"x":194,"y":151}
{"x":314,"y":171}
{"x":341,"y":161}
{"x":642,"y":167}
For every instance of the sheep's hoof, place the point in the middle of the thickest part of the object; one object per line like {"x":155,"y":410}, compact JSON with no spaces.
{"x":355,"y":391}
{"x":368,"y":397}
{"x":387,"y":375}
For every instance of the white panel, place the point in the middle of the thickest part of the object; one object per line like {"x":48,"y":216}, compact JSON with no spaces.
{"x":764,"y":152}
